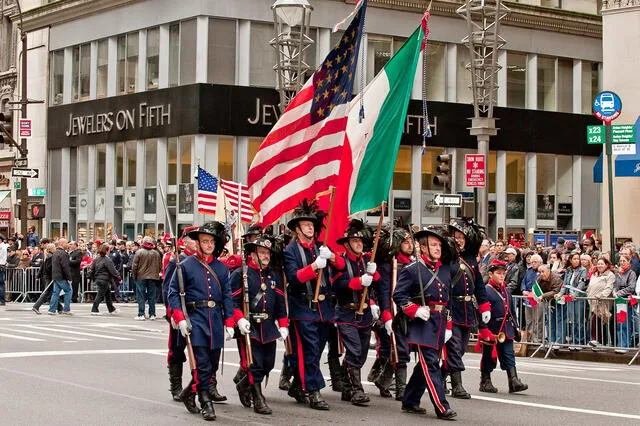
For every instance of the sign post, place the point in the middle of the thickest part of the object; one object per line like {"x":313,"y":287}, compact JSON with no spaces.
{"x":475,"y":172}
{"x":607,"y":106}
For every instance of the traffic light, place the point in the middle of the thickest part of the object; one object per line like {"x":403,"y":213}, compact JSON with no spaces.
{"x":443,"y":177}
{"x":6,"y":122}
{"x":37,"y":211}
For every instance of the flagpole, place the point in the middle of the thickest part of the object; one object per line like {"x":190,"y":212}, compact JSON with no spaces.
{"x":239,"y":215}
{"x":363,"y":299}
{"x":332,"y":190}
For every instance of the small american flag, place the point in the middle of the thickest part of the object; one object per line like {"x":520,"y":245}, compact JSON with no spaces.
{"x":207,"y":192}
{"x":233,"y":191}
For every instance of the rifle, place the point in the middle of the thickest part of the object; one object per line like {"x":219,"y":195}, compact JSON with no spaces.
{"x":316,"y":294}
{"x":363,"y":298}
{"x":394,"y":279}
{"x":288,"y":348}
{"x":183,"y":304}
{"x":245,"y":303}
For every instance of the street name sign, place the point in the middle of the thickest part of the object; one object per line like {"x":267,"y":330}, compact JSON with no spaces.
{"x":448,"y":200}
{"x":24,"y":173}
{"x":624,"y":149}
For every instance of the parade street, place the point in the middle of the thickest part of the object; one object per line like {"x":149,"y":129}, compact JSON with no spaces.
{"x":111,"y":370}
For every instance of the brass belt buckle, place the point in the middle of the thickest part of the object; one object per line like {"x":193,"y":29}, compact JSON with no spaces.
{"x":467,"y":298}
{"x":211,"y":304}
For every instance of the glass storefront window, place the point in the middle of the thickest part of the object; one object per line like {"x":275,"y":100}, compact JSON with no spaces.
{"x":153,"y":57}
{"x":150,"y":230}
{"x":225,"y":157}
{"x":174,"y":54}
{"x":545,"y":174}
{"x":463,"y":76}
{"x":254,"y":145}
{"x":262,"y":56}
{"x":130,"y":158}
{"x":119,"y":164}
{"x":150,"y":162}
{"x":57,"y":76}
{"x":565,"y":85}
{"x":101,"y":165}
{"x":83,"y":167}
{"x":429,"y":165}
{"x":188,"y":35}
{"x":590,"y":84}
{"x":436,"y":71}
{"x":122,"y":62}
{"x":172,"y":160}
{"x":75,"y":70}
{"x":378,"y":53}
{"x":186,"y":143}
{"x":491,"y":171}
{"x":103,"y":68}
{"x":546,"y":83}
{"x":85,"y":70}
{"x":73,"y":173}
{"x":132,"y":62}
{"x":515,"y":172}
{"x":402,"y":171}
{"x":516,"y":79}
{"x":564,"y":184}
{"x":222,"y":51}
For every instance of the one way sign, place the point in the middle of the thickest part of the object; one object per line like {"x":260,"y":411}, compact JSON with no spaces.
{"x":24,"y":173}
{"x":448,"y":200}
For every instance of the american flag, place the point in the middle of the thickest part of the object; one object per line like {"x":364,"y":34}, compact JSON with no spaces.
{"x":300,"y":157}
{"x":207,"y":192}
{"x":233,"y":191}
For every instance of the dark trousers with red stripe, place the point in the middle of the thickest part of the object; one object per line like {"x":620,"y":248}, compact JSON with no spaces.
{"x":177,"y":345}
{"x":206,"y":366}
{"x":426,"y":376}
{"x":356,"y":344}
{"x":264,"y":358}
{"x":455,"y":349}
{"x":308,"y":339}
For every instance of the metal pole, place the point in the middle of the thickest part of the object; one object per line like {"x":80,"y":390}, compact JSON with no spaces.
{"x":483,"y":193}
{"x":608,"y":142}
{"x":24,"y":191}
{"x":475,"y":204}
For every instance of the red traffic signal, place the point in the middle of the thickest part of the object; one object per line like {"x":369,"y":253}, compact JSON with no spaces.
{"x":37,"y":211}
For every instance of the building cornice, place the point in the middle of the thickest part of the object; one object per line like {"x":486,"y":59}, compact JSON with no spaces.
{"x":620,"y":6}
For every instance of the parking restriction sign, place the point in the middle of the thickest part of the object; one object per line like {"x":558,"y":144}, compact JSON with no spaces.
{"x":475,"y":170}
{"x":25,"y":128}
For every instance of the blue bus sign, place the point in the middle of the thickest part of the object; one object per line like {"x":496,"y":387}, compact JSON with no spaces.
{"x":607,"y":106}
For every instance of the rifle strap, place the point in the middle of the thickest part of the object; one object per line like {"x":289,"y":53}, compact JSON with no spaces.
{"x":308,"y":284}
{"x":431,"y":280}
{"x":183,"y":303}
{"x":210,"y":270}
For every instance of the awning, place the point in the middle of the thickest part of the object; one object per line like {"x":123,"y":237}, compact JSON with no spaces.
{"x":597,"y":170}
{"x":3,"y":195}
{"x":629,"y":165}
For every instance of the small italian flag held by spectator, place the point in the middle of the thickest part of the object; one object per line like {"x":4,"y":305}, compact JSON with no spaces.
{"x":536,"y":294}
{"x":566,"y":298}
{"x":621,"y":309}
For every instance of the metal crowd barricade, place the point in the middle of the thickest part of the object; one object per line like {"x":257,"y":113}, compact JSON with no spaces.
{"x":14,"y":283}
{"x":32,"y":284}
{"x":86,"y":286}
{"x":128,"y":287}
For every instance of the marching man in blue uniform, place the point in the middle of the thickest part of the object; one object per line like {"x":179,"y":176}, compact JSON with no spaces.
{"x":209,"y":305}
{"x":353,"y":328}
{"x":310,"y":321}
{"x":423,"y":294}
{"x":502,"y":330}
{"x":267,"y":321}
{"x":467,"y":292}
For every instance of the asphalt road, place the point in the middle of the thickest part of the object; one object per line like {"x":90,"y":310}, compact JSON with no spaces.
{"x":111,"y":370}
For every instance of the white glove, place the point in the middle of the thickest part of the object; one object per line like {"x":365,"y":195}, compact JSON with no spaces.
{"x":182,"y":326}
{"x":486,"y":317}
{"x":173,"y":324}
{"x":423,"y":313}
{"x":284,"y":333}
{"x":447,"y":335}
{"x":320,"y":263}
{"x":228,"y":331}
{"x":325,"y":253}
{"x":244,"y":326}
{"x":387,"y":326}
{"x":375,"y":312}
{"x":366,"y":280}
{"x":371,"y":268}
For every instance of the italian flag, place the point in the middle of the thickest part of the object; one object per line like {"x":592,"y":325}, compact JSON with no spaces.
{"x":621,"y":309}
{"x":372,"y":143}
{"x":566,"y":298}
{"x":537,"y":294}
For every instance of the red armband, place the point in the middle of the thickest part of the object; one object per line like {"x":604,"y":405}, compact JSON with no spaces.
{"x":306,"y":274}
{"x":237,"y":314}
{"x":411,"y":310}
{"x":283,"y":322}
{"x":177,"y":315}
{"x":449,"y":325}
{"x":485,"y":334}
{"x":376,"y":276}
{"x":484,"y":307}
{"x":386,"y":316}
{"x":355,"y":284}
{"x":339,"y":263}
{"x":229,"y":322}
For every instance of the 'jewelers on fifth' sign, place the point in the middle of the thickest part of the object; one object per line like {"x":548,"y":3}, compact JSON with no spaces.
{"x":124,"y":119}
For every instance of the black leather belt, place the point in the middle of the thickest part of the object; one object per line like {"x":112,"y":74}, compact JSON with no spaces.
{"x":258,"y":318}
{"x":353,"y":305}
{"x":191,"y":306}
{"x":465,"y":298}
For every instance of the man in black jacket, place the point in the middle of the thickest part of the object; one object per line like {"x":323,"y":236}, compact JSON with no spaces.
{"x":75,"y":258}
{"x":61,"y":276}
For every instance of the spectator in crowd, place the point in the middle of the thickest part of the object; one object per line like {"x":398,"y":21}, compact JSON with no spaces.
{"x":129,"y":283}
{"x":587,"y":263}
{"x":588,"y":246}
{"x":533,"y":317}
{"x":61,"y":276}
{"x":103,"y":272}
{"x":75,"y":260}
{"x":116,"y":258}
{"x":624,"y":287}
{"x":37,"y":257}
{"x":630,"y":250}
{"x":147,"y":266}
{"x":124,"y":259}
{"x":560,"y":246}
{"x":46,"y":284}
{"x":555,"y":263}
{"x":25,"y":259}
{"x":600,"y":287}
{"x":4,"y":247}
{"x":484,"y":256}
{"x":550,"y":284}
{"x":500,"y":247}
{"x":574,"y":284}
{"x":13,"y":243}
{"x":512,"y":278}
{"x":13,"y":258}
{"x":33,"y":239}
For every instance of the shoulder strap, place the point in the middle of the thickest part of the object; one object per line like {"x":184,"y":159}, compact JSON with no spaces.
{"x":431,"y":280}
{"x":307,"y":284}
{"x":210,"y":270}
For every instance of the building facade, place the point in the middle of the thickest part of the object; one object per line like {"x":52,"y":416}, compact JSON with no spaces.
{"x":139,"y":93}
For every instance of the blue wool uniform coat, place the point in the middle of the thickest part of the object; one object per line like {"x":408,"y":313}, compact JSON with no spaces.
{"x":349,"y":291}
{"x":462,"y":313}
{"x":430,"y":333}
{"x":272,"y":302}
{"x":501,"y":305}
{"x":199,"y":284}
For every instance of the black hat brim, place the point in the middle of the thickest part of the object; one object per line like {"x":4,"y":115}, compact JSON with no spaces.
{"x":294,"y":222}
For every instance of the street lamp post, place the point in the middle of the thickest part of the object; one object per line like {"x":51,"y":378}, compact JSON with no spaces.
{"x":291,"y":27}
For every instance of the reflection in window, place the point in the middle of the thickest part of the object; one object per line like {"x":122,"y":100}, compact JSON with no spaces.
{"x":122,"y":62}
{"x":172,"y":159}
{"x":103,"y":65}
{"x":436,"y":71}
{"x":119,"y":164}
{"x":515,"y":172}
{"x":186,"y":143}
{"x":101,"y":165}
{"x":262,"y":56}
{"x":378,"y":53}
{"x":188,"y":34}
{"x":463,"y":76}
{"x":516,"y":79}
{"x":132,"y":62}
{"x":565,"y":85}
{"x":546,"y":83}
{"x":130,"y":158}
{"x":222,"y":51}
{"x":174,"y":54}
{"x":57,"y":76}
{"x":153,"y":56}
{"x":225,"y":157}
{"x":545,"y":174}
{"x":75,"y":69}
{"x":402,"y":171}
{"x":150,"y":162}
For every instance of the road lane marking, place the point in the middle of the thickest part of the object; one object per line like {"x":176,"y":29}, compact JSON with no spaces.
{"x":82,"y":352}
{"x":59,"y":330}
{"x":588,"y":379}
{"x":52,"y":335}
{"x":31,"y":339}
{"x":556,"y":407}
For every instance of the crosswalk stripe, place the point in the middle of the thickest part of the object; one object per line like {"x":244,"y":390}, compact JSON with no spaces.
{"x":52,"y":335}
{"x":60,"y":330}
{"x":31,"y":339}
{"x":132,"y":331}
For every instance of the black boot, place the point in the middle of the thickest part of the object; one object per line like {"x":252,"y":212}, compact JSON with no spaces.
{"x":515,"y":385}
{"x":296,"y":391}
{"x":175,"y":380}
{"x":401,"y":382}
{"x":336,"y":371}
{"x":413,"y":409}
{"x":358,"y":397}
{"x":443,"y":375}
{"x":384,"y":381}
{"x":457,"y":391}
{"x":376,"y":370}
{"x":188,"y":398}
{"x":244,"y":389}
{"x":485,"y":383}
{"x":316,"y":402}
{"x":213,"y":390}
{"x":259,"y":403}
{"x":447,"y":415}
{"x":285,"y":376}
{"x":206,"y":405}
{"x":239,"y":376}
